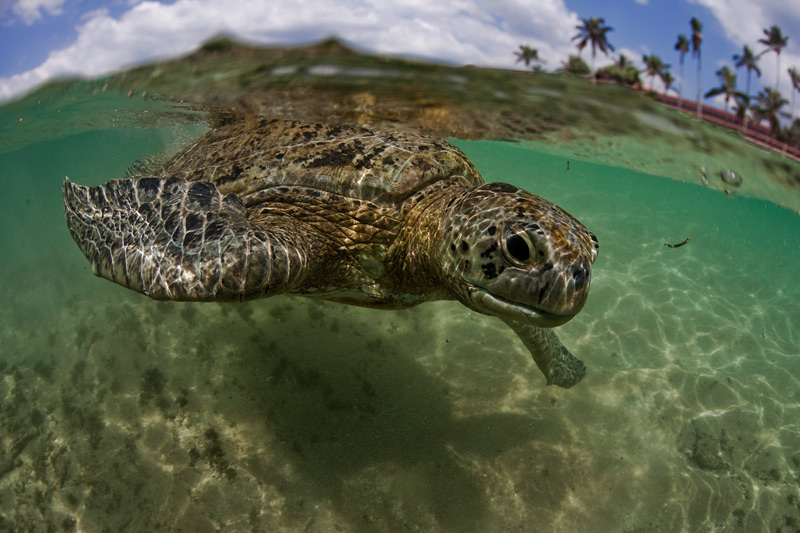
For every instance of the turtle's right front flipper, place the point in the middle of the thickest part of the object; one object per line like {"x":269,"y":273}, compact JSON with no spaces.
{"x":173,"y":239}
{"x":557,"y":364}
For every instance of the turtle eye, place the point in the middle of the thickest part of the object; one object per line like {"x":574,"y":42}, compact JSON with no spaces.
{"x":518,"y":248}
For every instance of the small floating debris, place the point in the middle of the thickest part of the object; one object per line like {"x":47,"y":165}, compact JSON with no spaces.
{"x":668,"y":245}
{"x":731,"y":178}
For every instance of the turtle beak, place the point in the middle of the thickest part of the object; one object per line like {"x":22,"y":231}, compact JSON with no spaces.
{"x":487,"y":303}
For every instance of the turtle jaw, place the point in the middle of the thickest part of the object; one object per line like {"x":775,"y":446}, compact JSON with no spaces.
{"x":487,"y":303}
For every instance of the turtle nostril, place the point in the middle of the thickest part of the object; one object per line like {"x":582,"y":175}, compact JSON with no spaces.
{"x":543,"y":292}
{"x":579,"y":275}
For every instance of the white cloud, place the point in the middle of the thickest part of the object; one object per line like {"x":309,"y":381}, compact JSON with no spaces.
{"x":744,"y":21}
{"x":458,"y":31}
{"x":642,"y":2}
{"x":95,"y":13}
{"x":29,"y":11}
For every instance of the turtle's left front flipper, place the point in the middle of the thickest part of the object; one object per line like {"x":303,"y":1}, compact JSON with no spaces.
{"x":172,"y":239}
{"x":557,"y":364}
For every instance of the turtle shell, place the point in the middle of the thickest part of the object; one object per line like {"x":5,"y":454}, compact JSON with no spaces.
{"x":254,"y":154}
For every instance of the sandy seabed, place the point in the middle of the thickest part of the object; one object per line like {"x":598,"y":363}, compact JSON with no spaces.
{"x":291,"y":414}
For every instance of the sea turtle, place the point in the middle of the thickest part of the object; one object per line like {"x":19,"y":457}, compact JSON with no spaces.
{"x":260,"y":207}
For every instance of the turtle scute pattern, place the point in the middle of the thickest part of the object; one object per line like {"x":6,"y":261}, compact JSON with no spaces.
{"x":254,"y":154}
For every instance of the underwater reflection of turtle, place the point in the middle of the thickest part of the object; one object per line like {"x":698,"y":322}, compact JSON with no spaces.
{"x":259,"y":207}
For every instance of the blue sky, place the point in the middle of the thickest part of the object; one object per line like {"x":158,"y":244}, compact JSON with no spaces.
{"x":46,"y":39}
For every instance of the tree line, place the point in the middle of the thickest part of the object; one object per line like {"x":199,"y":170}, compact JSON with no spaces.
{"x":767,"y":105}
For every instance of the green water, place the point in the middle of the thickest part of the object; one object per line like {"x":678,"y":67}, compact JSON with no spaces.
{"x":118,"y":413}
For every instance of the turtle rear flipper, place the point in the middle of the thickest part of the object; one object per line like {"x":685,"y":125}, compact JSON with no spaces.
{"x":172,"y":239}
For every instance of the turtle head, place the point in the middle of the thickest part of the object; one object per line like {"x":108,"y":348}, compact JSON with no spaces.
{"x":514,"y":255}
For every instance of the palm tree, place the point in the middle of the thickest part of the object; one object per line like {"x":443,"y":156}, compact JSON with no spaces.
{"x":668,"y":79}
{"x":697,"y":40}
{"x":793,"y":132}
{"x":750,"y":62}
{"x":528,"y":54}
{"x":593,"y":31}
{"x":654,"y":67}
{"x":741,"y":109}
{"x":769,"y":107}
{"x":774,"y":41}
{"x":623,"y":62}
{"x":795,"y":76}
{"x":727,"y":86}
{"x":682,"y":46}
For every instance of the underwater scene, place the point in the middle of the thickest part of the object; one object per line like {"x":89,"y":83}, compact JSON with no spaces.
{"x":119,"y":413}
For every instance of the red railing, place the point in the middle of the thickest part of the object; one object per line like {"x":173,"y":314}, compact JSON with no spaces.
{"x":754,"y":132}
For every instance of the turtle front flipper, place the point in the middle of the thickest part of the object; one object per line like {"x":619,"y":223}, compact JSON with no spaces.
{"x":557,"y":364}
{"x":172,"y":239}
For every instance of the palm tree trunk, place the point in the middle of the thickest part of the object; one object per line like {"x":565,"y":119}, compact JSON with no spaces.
{"x":744,"y":116}
{"x":594,"y":77}
{"x":683,"y":82}
{"x":699,"y":88}
{"x":747,"y":89}
{"x":778,"y":73}
{"x":786,"y":143}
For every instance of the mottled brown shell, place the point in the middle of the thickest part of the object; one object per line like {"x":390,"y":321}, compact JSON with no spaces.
{"x":255,"y":154}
